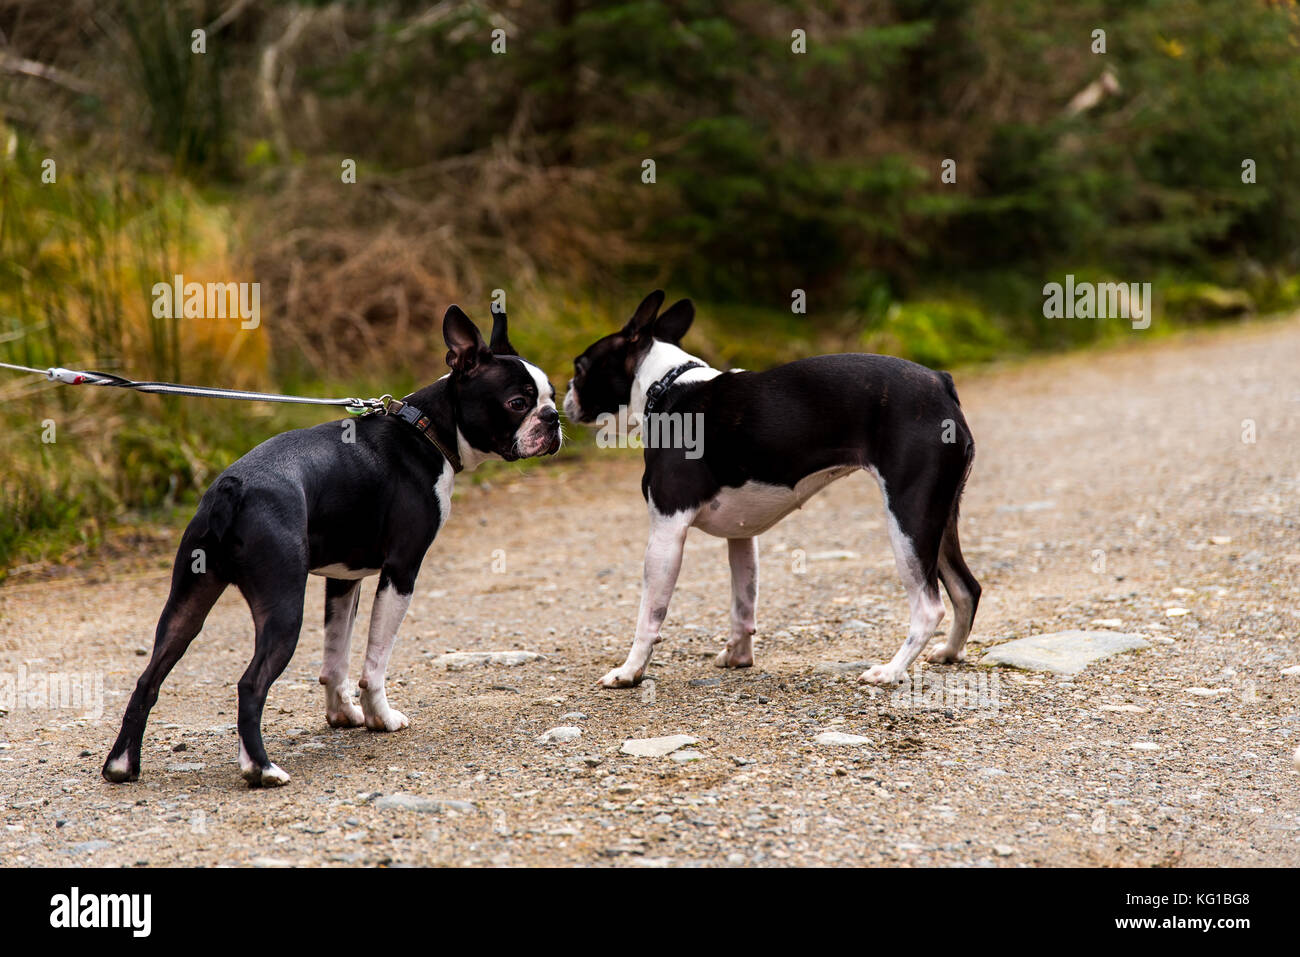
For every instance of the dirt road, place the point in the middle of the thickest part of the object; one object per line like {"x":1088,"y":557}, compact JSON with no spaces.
{"x":1151,"y":489}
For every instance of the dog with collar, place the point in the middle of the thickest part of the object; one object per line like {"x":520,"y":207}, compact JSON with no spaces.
{"x":771,"y":440}
{"x":344,"y":501}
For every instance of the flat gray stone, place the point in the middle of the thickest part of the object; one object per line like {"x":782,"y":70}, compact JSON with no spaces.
{"x":88,"y":847}
{"x":401,"y":801}
{"x":656,"y":747}
{"x":1063,"y":652}
{"x":685,"y":757}
{"x":185,"y":766}
{"x":840,"y":667}
{"x":460,"y":660}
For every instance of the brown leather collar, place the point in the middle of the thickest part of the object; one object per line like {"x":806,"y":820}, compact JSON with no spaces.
{"x":420,"y":421}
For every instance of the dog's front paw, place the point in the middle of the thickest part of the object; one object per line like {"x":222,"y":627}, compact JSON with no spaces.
{"x":271,"y":776}
{"x":274,"y":776}
{"x":881,"y":675}
{"x":943,"y":655}
{"x":734,"y":658}
{"x":344,"y":714}
{"x":623,"y":677}
{"x":121,"y":769}
{"x":379,"y":715}
{"x":390,"y":719}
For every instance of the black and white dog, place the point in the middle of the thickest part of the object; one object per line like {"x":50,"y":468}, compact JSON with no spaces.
{"x":771,"y":440}
{"x":344,"y":500}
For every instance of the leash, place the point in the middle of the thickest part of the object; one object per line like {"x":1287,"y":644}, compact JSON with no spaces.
{"x":385,"y":405}
{"x":75,"y":377}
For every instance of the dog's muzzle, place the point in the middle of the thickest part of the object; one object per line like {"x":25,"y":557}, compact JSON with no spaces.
{"x":572,"y":408}
{"x":543,"y":436}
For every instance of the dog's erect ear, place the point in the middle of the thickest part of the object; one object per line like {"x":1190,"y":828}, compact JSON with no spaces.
{"x":465,"y":345}
{"x":674,"y":321}
{"x":500,"y":338}
{"x":644,"y":316}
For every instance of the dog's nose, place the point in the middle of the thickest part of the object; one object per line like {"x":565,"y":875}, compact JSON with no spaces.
{"x":549,"y":415}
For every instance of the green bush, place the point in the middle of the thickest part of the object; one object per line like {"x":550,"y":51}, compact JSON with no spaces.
{"x":937,"y":334}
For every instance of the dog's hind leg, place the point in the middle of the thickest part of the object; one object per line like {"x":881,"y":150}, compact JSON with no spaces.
{"x":963,"y":590}
{"x":916,"y":535}
{"x":743,"y":555}
{"x":341,"y":598}
{"x":276,"y":602}
{"x":193,"y":593}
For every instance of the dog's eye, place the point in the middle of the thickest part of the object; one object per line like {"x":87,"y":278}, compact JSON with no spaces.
{"x":518,"y":404}
{"x":580,"y":364}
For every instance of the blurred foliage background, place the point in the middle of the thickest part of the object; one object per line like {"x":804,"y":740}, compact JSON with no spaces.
{"x":775,"y":170}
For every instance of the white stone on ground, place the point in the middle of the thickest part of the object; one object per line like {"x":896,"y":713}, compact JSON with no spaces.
{"x":402,"y":801}
{"x":1063,"y":652}
{"x":559,"y":735}
{"x":460,"y":660}
{"x":839,"y":738}
{"x":656,"y":747}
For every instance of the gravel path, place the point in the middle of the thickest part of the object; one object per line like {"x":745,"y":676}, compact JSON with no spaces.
{"x":1112,"y":490}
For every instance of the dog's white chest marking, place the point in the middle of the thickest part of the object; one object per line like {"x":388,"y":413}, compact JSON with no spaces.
{"x":442,"y":492}
{"x":755,"y":507}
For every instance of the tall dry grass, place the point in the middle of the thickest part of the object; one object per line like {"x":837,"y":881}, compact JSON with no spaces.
{"x":79,"y":257}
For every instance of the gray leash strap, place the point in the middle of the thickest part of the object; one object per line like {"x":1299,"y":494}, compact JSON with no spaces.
{"x":74,"y":377}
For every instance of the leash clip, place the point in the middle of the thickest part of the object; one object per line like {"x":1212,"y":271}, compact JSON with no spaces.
{"x":368,"y":406}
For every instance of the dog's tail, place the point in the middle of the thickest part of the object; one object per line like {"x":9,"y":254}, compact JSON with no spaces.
{"x":950,"y":387}
{"x":221,"y":506}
